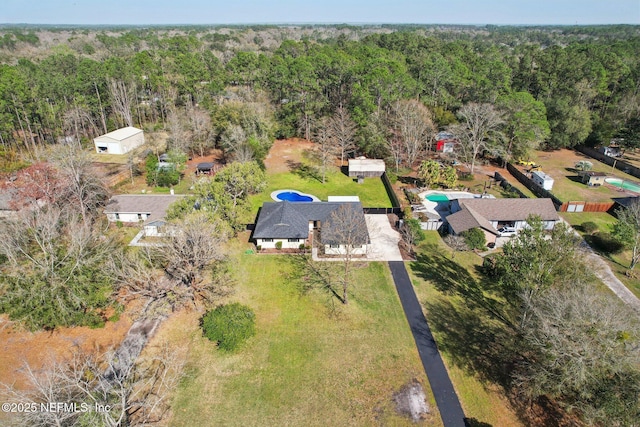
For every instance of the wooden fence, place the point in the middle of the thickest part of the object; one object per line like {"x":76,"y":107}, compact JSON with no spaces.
{"x":586,"y":206}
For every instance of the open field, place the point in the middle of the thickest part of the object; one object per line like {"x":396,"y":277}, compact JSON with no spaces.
{"x":559,"y":164}
{"x":308,"y":364}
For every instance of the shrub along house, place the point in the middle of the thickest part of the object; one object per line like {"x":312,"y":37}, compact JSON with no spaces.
{"x":492,"y":214}
{"x":292,"y":224}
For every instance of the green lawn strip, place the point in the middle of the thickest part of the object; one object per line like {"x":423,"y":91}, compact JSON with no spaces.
{"x":371,"y":192}
{"x":305,"y":366}
{"x":619,"y":262}
{"x":481,"y":399}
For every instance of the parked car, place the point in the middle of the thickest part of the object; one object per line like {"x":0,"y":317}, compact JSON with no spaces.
{"x":507,"y":231}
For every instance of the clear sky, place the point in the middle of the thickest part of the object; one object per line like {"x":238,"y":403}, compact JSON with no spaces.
{"x":145,"y":12}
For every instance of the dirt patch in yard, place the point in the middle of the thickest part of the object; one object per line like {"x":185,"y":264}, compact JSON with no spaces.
{"x":411,"y":401}
{"x":37,"y":348}
{"x":285,"y":153}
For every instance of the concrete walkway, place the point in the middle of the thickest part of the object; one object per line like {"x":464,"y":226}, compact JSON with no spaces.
{"x":603,"y":271}
{"x":445,"y":395}
{"x":384,"y":239}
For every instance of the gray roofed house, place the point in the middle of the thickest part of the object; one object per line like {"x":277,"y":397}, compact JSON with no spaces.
{"x":291,"y":223}
{"x":135,"y":207}
{"x":492,"y":214}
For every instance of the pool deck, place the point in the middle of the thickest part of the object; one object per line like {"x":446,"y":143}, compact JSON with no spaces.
{"x":442,"y":208}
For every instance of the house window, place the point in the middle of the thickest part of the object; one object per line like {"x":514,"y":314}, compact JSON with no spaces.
{"x":356,"y":246}
{"x":293,"y":240}
{"x":267,"y":240}
{"x":117,"y":217}
{"x":334,"y":246}
{"x":139,"y":217}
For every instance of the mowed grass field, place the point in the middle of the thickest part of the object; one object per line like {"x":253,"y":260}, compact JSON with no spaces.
{"x":308,"y":365}
{"x":371,"y":192}
{"x":435,"y":276}
{"x":559,"y":164}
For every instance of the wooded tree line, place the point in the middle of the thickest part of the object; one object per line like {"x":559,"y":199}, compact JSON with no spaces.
{"x":585,"y":90}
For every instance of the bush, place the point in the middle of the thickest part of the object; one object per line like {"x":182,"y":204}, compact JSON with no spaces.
{"x":605,"y":242}
{"x":278,"y":245}
{"x":589,"y":227}
{"x":229,"y":325}
{"x":474,"y":238}
{"x":465,"y":176}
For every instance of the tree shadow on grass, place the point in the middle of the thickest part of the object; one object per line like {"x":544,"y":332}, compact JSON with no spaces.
{"x":308,"y":275}
{"x":451,"y":278}
{"x":472,"y":330}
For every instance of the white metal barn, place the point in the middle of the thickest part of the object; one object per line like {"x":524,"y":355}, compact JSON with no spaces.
{"x":119,"y":141}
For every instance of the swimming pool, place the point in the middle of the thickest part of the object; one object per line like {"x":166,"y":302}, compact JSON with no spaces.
{"x":621,"y":183}
{"x":293,"y":196}
{"x":437,"y":197}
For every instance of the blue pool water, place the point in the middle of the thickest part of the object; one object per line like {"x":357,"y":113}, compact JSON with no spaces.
{"x":292,"y":196}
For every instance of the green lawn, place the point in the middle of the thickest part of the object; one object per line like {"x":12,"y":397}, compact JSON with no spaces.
{"x":308,"y":365}
{"x":371,"y":192}
{"x":559,"y":165}
{"x":438,"y":279}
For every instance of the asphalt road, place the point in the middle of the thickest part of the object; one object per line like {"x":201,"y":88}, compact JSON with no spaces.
{"x":443,"y":391}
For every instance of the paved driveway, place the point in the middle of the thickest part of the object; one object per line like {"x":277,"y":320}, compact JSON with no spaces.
{"x":384,"y":239}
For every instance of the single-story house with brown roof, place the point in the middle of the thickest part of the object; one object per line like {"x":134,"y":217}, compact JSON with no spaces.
{"x":492,"y":214}
{"x":133,"y":208}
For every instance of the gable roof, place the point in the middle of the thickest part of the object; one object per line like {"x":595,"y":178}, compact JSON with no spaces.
{"x":480,"y":212}
{"x":119,"y":134}
{"x":290,"y":220}
{"x":366,"y":165}
{"x":512,"y":209}
{"x":154,"y":204}
{"x":468,"y":218}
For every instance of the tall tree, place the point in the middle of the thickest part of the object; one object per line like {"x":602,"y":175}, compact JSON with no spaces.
{"x":122,"y":98}
{"x":526,"y":125}
{"x":627,"y":230}
{"x":478,"y":130}
{"x":413,"y":124}
{"x":347,"y":228}
{"x":342,"y":131}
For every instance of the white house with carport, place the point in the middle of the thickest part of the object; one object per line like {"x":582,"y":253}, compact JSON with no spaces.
{"x":492,"y":214}
{"x":119,"y":141}
{"x":134,"y":208}
{"x":293,"y":224}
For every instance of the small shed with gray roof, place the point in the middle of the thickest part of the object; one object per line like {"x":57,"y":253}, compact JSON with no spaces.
{"x":366,"y":167}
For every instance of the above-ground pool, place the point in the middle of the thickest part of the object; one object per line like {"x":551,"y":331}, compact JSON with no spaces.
{"x":292,"y":196}
{"x":437,"y":197}
{"x":621,"y":183}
